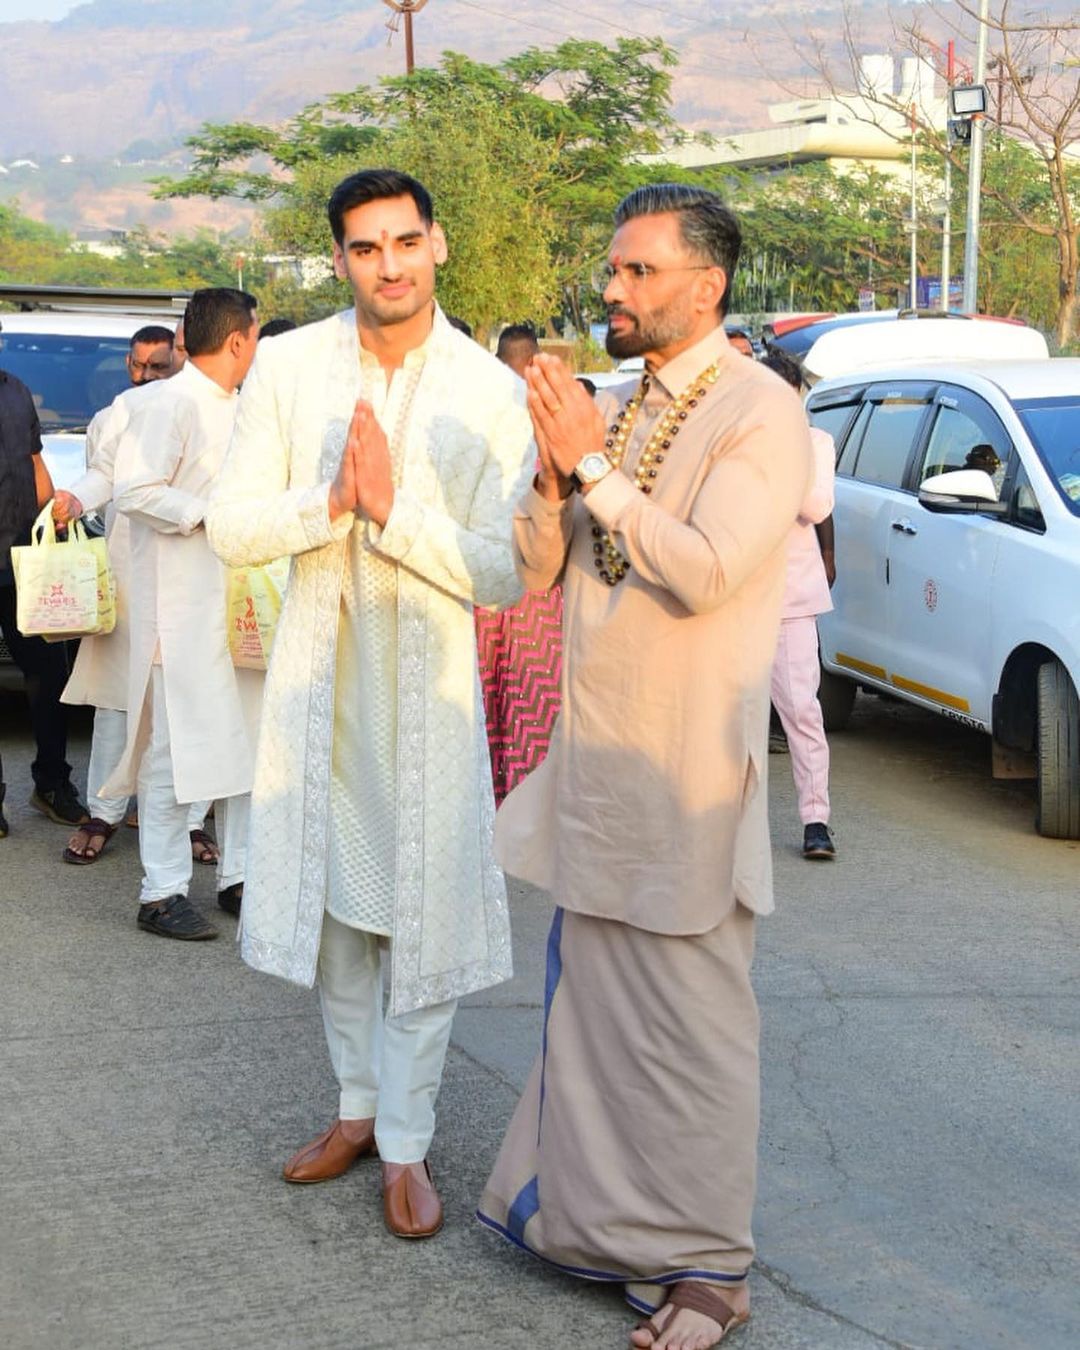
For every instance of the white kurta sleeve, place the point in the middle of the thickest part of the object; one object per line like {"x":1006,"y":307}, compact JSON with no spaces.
{"x":95,"y":488}
{"x":147,"y":457}
{"x":254,"y":515}
{"x":542,"y":534}
{"x":472,"y":559}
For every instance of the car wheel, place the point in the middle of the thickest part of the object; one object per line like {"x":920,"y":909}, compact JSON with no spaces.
{"x":837,"y":698}
{"x":1057,"y":812}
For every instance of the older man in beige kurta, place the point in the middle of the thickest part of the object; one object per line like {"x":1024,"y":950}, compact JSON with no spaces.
{"x":631,"y":1156}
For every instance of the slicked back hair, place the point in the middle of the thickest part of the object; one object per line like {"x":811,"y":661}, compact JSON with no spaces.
{"x":372,"y":185}
{"x":152,"y":333}
{"x":212,"y":314}
{"x":709,"y":230}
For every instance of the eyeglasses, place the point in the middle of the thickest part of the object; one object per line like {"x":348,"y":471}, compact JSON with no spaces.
{"x":150,"y":367}
{"x":634,"y":274}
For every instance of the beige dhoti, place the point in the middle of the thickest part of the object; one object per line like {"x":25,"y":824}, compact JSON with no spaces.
{"x":632,"y":1154}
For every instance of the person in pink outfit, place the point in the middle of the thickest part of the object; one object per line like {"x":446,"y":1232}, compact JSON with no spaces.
{"x":796,"y":671}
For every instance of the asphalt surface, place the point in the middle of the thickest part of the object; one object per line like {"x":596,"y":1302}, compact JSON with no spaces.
{"x":920,"y":1144}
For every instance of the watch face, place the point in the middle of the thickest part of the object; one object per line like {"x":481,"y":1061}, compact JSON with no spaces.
{"x":594,"y":466}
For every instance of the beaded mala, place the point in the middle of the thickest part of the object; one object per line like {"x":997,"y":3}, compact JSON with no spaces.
{"x":608,"y":560}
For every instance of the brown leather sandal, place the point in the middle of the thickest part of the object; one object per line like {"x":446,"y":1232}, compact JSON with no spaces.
{"x":698,"y":1297}
{"x":94,"y":828}
{"x":204,"y":848}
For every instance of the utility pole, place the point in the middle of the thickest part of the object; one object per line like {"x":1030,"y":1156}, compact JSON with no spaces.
{"x":408,"y":8}
{"x":971,"y":241}
{"x":946,"y":220}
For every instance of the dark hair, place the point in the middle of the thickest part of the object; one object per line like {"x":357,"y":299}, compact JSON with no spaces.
{"x":784,"y":366}
{"x":152,"y":332}
{"x":515,"y":334}
{"x":272,"y":327}
{"x":708,"y":228}
{"x":213,"y":314}
{"x":459,"y":324}
{"x":372,"y":185}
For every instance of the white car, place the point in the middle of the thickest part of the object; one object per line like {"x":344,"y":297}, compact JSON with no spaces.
{"x":958,"y":556}
{"x":73,"y":365}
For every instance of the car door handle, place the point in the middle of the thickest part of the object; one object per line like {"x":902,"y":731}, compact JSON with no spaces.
{"x":904,"y":526}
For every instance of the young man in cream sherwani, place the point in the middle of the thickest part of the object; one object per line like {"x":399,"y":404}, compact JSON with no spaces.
{"x":383,"y":450}
{"x":192,"y":716}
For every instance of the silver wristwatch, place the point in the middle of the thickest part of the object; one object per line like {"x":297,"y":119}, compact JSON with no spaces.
{"x":591,"y":468}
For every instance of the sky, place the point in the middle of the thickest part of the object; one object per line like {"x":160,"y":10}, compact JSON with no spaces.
{"x":35,"y":9}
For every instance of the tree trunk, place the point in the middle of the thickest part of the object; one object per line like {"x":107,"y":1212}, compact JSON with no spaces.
{"x":1065,"y":325}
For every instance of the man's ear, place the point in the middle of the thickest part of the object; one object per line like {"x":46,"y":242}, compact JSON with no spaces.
{"x":438,"y":243}
{"x":339,"y":263}
{"x":714,"y":288}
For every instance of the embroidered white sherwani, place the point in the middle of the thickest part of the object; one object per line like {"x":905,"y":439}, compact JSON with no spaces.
{"x":464,"y":452}
{"x":167,"y":460}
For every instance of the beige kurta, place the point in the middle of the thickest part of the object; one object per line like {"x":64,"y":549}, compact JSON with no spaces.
{"x":631,"y":1156}
{"x":166,"y":463}
{"x":650,"y":806}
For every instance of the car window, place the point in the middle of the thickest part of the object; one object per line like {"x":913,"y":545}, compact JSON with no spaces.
{"x":833,"y":420}
{"x":966,"y":434}
{"x":1025,"y":504}
{"x":1054,"y":427}
{"x":886,"y":443}
{"x":70,"y":378}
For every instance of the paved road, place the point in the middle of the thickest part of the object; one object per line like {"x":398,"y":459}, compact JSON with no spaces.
{"x":920,"y":1146}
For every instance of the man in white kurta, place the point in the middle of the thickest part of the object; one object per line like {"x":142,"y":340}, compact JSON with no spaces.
{"x":192,"y":716}
{"x":99,"y":675}
{"x":383,"y":450}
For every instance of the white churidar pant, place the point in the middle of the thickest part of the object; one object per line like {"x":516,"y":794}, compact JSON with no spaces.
{"x":386,"y":1067}
{"x":796,"y":674}
{"x":106,"y":746}
{"x":164,"y":823}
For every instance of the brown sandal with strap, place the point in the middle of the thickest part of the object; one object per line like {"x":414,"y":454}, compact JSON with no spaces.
{"x":698,"y":1297}
{"x":204,"y":848}
{"x":94,"y":828}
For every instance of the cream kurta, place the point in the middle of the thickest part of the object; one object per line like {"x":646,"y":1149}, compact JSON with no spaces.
{"x":167,"y":459}
{"x":650,"y":807}
{"x":99,"y":676}
{"x":466,"y":456}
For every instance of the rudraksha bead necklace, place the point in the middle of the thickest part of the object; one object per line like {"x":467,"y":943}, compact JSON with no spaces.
{"x":610,"y":563}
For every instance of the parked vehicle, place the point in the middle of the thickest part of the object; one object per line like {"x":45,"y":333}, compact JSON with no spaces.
{"x":958,"y":557}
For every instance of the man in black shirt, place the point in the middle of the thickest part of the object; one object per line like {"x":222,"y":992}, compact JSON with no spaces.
{"x":25,"y":487}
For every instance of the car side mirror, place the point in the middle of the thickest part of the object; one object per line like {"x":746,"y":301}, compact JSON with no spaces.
{"x":961,"y":492}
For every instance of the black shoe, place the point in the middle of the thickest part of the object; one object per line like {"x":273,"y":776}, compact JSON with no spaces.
{"x":175,"y":918}
{"x":817,"y":841}
{"x":778,"y":743}
{"x":229,"y":899}
{"x":60,"y":804}
{"x":3,"y":818}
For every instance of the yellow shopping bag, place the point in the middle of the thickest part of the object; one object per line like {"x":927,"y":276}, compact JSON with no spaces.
{"x":254,"y":603}
{"x":64,"y":588}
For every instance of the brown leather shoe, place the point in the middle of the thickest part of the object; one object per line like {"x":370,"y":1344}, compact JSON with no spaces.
{"x":411,"y":1209}
{"x":330,"y":1155}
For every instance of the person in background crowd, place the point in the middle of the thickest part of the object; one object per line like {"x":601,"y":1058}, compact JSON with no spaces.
{"x":520,"y":648}
{"x":632,"y":1154}
{"x":383,"y":450}
{"x":192,"y":716}
{"x":275,"y":327}
{"x":517,"y":346}
{"x":25,"y":487}
{"x":99,"y":676}
{"x":796,"y":670}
